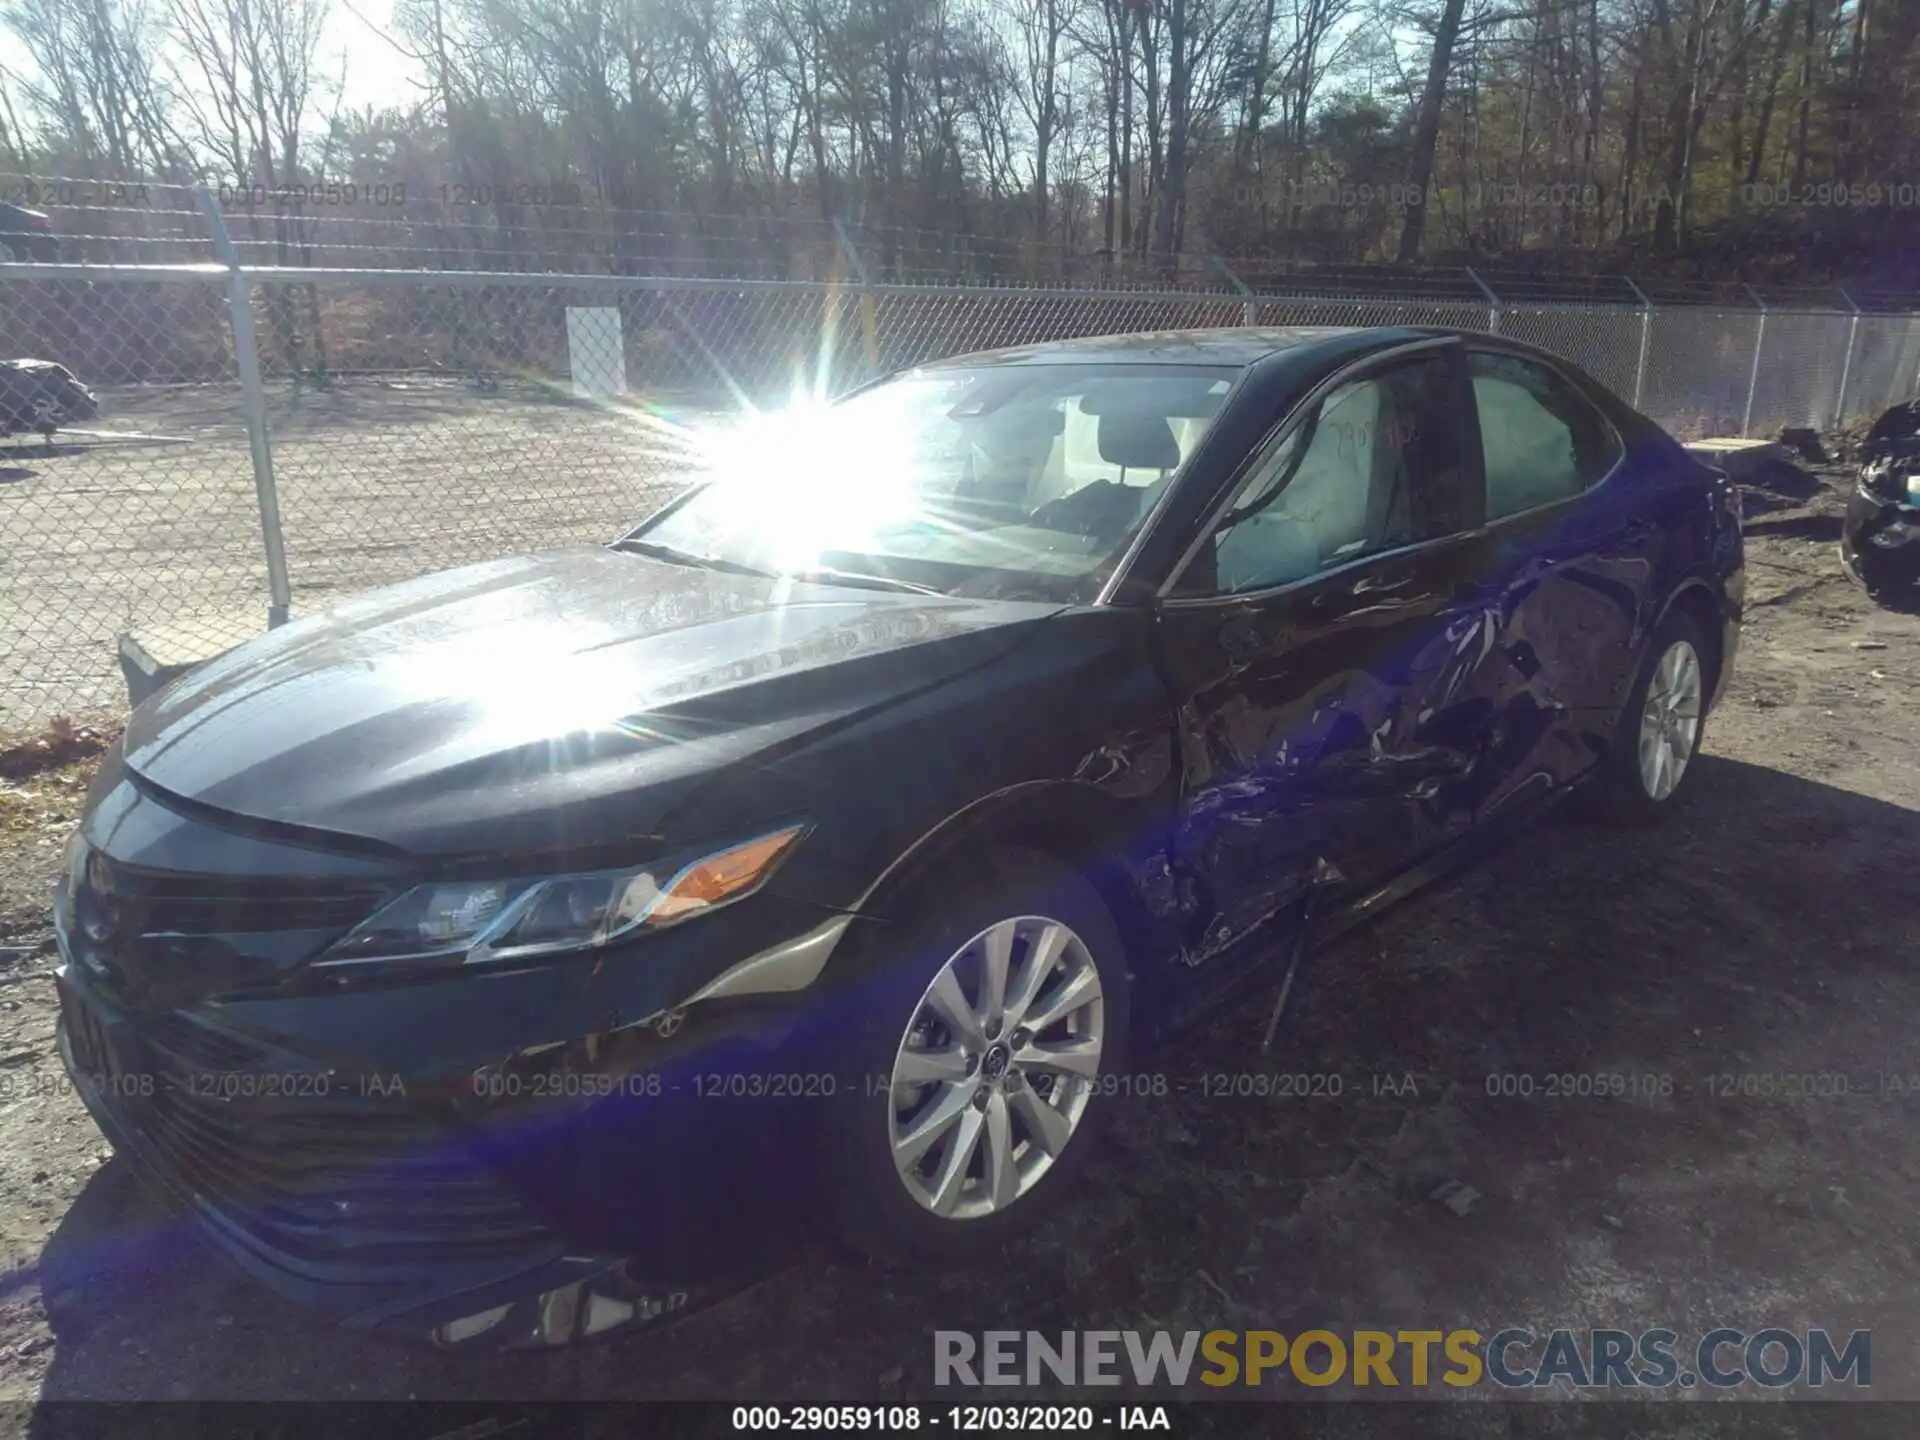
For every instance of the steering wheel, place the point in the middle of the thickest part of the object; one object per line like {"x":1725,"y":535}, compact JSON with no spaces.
{"x":1059,"y":514}
{"x":1093,"y":511}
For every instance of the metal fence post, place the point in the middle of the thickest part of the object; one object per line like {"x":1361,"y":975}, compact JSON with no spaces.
{"x":1646,"y":341}
{"x":1753,"y":375}
{"x":869,"y":320}
{"x":1249,"y":309}
{"x":1493,"y":301}
{"x":253,"y":400}
{"x":1846,"y":364}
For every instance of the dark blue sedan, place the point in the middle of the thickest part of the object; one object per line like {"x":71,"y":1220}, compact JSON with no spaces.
{"x":504,"y":957}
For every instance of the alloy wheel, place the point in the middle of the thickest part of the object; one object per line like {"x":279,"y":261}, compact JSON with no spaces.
{"x":1670,"y":720}
{"x":996,"y":1068}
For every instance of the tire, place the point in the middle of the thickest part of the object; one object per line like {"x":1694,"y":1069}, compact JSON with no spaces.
{"x":45,"y":418}
{"x":1630,"y":787}
{"x":889,"y":1208}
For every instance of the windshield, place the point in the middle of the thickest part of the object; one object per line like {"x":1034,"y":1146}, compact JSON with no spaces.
{"x":1016,"y":481}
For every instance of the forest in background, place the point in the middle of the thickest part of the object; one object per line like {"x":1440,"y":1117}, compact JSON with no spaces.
{"x":1772,"y":141}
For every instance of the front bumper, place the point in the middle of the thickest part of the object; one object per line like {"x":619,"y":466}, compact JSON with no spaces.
{"x":1880,"y":541}
{"x":389,"y":1198}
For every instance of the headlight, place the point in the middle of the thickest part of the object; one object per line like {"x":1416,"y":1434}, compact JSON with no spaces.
{"x":1877,"y":479}
{"x":76,"y":858}
{"x":473,"y":922}
{"x":1891,"y":478}
{"x":78,"y":853}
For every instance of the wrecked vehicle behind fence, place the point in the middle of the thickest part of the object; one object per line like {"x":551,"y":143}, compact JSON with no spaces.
{"x":42,"y":395}
{"x":1880,"y":540}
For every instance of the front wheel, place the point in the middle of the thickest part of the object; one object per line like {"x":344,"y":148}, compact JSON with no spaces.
{"x":999,"y":1018}
{"x":1653,"y":750}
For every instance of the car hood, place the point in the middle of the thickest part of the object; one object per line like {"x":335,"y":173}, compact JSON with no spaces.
{"x":553,"y":702}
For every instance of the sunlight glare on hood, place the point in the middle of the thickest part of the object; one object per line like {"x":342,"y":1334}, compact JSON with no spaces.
{"x":527,"y":680}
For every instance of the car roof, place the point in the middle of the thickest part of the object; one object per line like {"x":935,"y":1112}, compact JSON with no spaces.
{"x":1288,"y":356}
{"x":1238,"y":346}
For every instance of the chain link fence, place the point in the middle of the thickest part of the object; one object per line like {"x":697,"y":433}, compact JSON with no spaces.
{"x":145,"y":511}
{"x":405,"y":421}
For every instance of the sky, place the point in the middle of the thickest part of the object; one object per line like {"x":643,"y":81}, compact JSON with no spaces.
{"x":375,"y":73}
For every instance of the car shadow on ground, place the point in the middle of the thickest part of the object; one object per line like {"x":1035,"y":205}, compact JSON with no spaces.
{"x":1788,"y":478}
{"x":1764,"y":930}
{"x":1777,"y":486}
{"x":1823,"y":528}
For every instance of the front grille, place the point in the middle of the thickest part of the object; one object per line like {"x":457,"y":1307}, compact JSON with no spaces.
{"x":313,"y":1173}
{"x":201,"y":1046}
{"x":162,"y":939}
{"x":87,"y":1039}
{"x":126,"y":901}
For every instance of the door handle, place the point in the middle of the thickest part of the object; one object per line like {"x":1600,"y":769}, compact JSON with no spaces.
{"x":1240,"y":637}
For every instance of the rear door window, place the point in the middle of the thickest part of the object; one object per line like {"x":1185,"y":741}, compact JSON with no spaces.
{"x":1541,"y":439}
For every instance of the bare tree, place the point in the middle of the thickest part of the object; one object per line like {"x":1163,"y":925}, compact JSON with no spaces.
{"x":247,"y":81}
{"x":1128,"y":130}
{"x":13,"y":135}
{"x":1312,"y":52}
{"x":1105,"y":33}
{"x":1205,"y":41}
{"x":1041,"y":31}
{"x":1782,"y":43}
{"x":97,"y":89}
{"x":1426,"y":128}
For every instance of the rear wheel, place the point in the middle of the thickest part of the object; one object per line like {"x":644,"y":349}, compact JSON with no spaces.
{"x":1000,"y":1013}
{"x":1660,"y":730}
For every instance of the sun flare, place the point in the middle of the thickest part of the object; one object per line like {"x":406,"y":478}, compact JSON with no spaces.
{"x":813,"y":477}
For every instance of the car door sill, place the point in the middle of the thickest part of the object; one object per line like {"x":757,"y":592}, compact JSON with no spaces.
{"x":1339,"y":916}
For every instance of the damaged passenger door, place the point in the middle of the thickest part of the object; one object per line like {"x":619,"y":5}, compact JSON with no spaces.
{"x":1310,"y":643}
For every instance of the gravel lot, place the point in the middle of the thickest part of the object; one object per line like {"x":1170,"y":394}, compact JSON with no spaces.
{"x":1768,"y":930}
{"x":150,"y":515}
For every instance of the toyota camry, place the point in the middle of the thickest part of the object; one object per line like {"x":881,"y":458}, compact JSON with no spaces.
{"x":512,"y":955}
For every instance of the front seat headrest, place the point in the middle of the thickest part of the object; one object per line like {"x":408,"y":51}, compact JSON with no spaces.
{"x":1138,"y":442}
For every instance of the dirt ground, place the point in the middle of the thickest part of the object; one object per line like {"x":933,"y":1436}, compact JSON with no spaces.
{"x":1767,"y":930}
